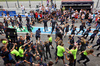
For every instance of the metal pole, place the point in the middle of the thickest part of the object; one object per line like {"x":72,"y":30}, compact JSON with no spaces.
{"x":7,"y":4}
{"x":55,"y":1}
{"x":18,"y":3}
{"x":97,"y":4}
{"x":29,"y":3}
{"x":42,"y":2}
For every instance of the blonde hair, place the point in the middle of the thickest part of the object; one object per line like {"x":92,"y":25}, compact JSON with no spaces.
{"x":60,"y":42}
{"x":67,"y":24}
{"x":57,"y":39}
{"x":83,"y":40}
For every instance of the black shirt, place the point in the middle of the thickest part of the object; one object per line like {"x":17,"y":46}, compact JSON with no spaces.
{"x":45,"y":22}
{"x":98,"y":41}
{"x":28,"y":20}
{"x":72,"y":40}
{"x":47,"y":47}
{"x":82,"y":27}
{"x":53,"y":22}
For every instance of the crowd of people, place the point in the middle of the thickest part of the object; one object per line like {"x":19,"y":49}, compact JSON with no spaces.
{"x":25,"y":51}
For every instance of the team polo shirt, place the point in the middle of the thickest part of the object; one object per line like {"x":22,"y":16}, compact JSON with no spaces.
{"x":15,"y":52}
{"x":50,"y":39}
{"x":60,"y":50}
{"x":21,"y":51}
{"x":85,"y":53}
{"x":4,"y":41}
{"x":74,"y":52}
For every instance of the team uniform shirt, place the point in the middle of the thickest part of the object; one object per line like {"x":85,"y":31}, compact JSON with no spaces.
{"x":45,"y":22}
{"x":74,"y":52}
{"x":50,"y":39}
{"x":15,"y":52}
{"x":29,"y":56}
{"x":60,"y":50}
{"x":53,"y":23}
{"x":38,"y":33}
{"x":47,"y":47}
{"x":21,"y":51}
{"x":85,"y":53}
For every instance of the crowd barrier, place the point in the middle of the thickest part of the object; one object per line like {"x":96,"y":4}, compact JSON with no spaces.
{"x":11,"y":13}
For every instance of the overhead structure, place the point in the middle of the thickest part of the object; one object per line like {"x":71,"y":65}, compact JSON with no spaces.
{"x":77,"y":4}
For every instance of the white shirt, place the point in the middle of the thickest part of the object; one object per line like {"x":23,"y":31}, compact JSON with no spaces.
{"x":83,"y":16}
{"x":22,"y":8}
{"x":46,"y":8}
{"x":26,"y":14}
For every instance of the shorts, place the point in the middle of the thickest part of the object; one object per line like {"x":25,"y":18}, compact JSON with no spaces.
{"x":50,"y":43}
{"x":29,"y":30}
{"x":37,"y":37}
{"x":20,"y":27}
{"x":60,"y":57}
{"x":6,"y":62}
{"x":12,"y":61}
{"x":66,"y":30}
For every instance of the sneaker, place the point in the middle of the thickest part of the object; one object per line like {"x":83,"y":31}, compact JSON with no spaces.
{"x":52,"y":48}
{"x":91,"y":42}
{"x":92,"y":46}
{"x":45,"y":60}
{"x":97,"y":49}
{"x":97,"y":55}
{"x":56,"y":62}
{"x":84,"y":64}
{"x":78,"y":61}
{"x":64,"y":36}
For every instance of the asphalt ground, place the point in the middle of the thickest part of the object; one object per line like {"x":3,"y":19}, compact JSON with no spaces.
{"x":94,"y":61}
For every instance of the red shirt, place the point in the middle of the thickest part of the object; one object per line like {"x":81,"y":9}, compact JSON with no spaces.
{"x":41,"y":15}
{"x":36,"y":15}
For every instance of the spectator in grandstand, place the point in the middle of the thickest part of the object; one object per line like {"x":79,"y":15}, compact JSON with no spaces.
{"x":23,"y":9}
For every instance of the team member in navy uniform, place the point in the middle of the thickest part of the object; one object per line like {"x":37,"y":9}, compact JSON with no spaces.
{"x":3,"y":56}
{"x":81,"y":28}
{"x":1,"y":28}
{"x":87,"y":32}
{"x":73,"y":31}
{"x":71,"y":42}
{"x":7,"y":55}
{"x":27,"y":19}
{"x":20,"y":42}
{"x":62,"y":20}
{"x":33,"y":21}
{"x":20,"y":18}
{"x":62,"y":28}
{"x":27,"y":37}
{"x":29,"y":55}
{"x":72,"y":26}
{"x":53,"y":21}
{"x":29,"y":28}
{"x":38,"y":33}
{"x":97,"y":43}
{"x":12,"y":22}
{"x":67,"y":28}
{"x":6,"y":23}
{"x":57,"y":29}
{"x":47,"y":45}
{"x":20,"y":25}
{"x":45,"y":20}
{"x":95,"y":32}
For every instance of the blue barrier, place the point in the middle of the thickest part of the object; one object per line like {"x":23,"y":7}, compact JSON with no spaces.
{"x":3,"y":12}
{"x":11,"y":13}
